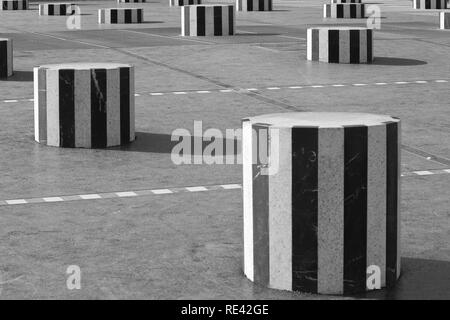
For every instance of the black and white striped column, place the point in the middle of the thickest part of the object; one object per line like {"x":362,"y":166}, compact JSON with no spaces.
{"x":321,"y":196}
{"x":444,"y":20}
{"x":430,"y":4}
{"x":120,"y":15}
{"x":56,"y":9}
{"x":344,"y":10}
{"x":340,"y":44}
{"x":345,"y":1}
{"x":254,"y":5}
{"x":6,"y":57}
{"x":84,"y":105}
{"x":180,"y":3}
{"x":14,"y":5}
{"x":131,"y":1}
{"x":208,"y":20}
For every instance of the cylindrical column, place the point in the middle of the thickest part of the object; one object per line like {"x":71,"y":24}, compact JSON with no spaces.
{"x":345,"y":1}
{"x":131,"y":1}
{"x":254,"y":5}
{"x":120,"y":15}
{"x":179,"y":3}
{"x":56,"y":9}
{"x":444,"y":20}
{"x":6,"y":57}
{"x":340,"y":44}
{"x":84,"y":105}
{"x":344,"y":10}
{"x":208,"y":20}
{"x":430,"y":4}
{"x":321,"y":196}
{"x":14,"y":5}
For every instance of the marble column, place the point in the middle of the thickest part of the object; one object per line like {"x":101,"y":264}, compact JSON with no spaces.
{"x":6,"y":57}
{"x":14,"y":5}
{"x":84,"y":105}
{"x":340,"y":44}
{"x":120,"y":15}
{"x":321,"y":195}
{"x":344,"y":10}
{"x":444,"y":20}
{"x":56,"y":9}
{"x":179,"y":3}
{"x":345,"y":1}
{"x":430,"y":4}
{"x":254,"y":5}
{"x":208,"y":20}
{"x":131,"y":1}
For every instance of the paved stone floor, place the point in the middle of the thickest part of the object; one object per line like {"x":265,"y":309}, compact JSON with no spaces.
{"x":134,"y":242}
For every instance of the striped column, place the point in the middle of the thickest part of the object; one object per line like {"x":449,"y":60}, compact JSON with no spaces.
{"x":344,"y":10}
{"x":6,"y":58}
{"x":254,"y":5}
{"x":131,"y":1}
{"x":340,"y":44}
{"x":120,"y":15}
{"x":208,"y":20}
{"x":179,"y":3}
{"x":430,"y":4}
{"x":321,"y":196}
{"x":56,"y":9}
{"x":444,"y":20}
{"x":14,"y":5}
{"x":345,"y":1}
{"x":84,"y":105}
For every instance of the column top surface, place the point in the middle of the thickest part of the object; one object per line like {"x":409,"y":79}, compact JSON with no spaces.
{"x":321,"y":119}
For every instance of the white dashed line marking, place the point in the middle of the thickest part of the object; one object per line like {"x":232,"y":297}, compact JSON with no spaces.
{"x":162,"y":191}
{"x":196,"y":189}
{"x":423,"y":173}
{"x":17,"y":201}
{"x":53,"y":199}
{"x":126,"y":194}
{"x":90,"y":196}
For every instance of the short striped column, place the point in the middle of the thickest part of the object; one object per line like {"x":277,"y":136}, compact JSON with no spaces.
{"x":344,"y":10}
{"x":56,"y":9}
{"x":84,"y":105}
{"x":120,"y":15}
{"x":6,"y":57}
{"x":208,"y":20}
{"x":444,"y":20}
{"x":131,"y":1}
{"x":340,"y":44}
{"x":345,"y":1}
{"x":430,"y":4}
{"x":14,"y":5}
{"x":321,"y":201}
{"x":254,"y":5}
{"x":180,"y":3}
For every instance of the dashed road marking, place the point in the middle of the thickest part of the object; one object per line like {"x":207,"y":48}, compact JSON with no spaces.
{"x":150,"y":192}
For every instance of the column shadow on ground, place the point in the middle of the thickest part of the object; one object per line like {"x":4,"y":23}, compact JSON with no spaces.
{"x":391,"y":61}
{"x":420,"y":279}
{"x":20,"y":76}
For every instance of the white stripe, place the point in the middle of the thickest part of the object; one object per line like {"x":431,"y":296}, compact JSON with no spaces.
{"x":161,"y":191}
{"x":17,"y":201}
{"x":126,"y":194}
{"x":53,"y":199}
{"x":90,"y":196}
{"x":196,"y":189}
{"x":423,"y":173}
{"x":231,"y":186}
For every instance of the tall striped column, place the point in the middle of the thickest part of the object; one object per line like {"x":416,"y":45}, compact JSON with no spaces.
{"x":344,"y":10}
{"x":180,"y":3}
{"x":254,"y":5}
{"x":56,"y":9}
{"x":84,"y":105}
{"x":14,"y":5}
{"x":6,"y":57}
{"x":120,"y":15}
{"x":430,"y":4}
{"x":208,"y":20}
{"x":321,"y":196}
{"x":340,"y":44}
{"x":345,"y":1}
{"x":444,"y":20}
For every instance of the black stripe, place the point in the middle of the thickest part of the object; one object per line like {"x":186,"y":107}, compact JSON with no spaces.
{"x":427,"y":4}
{"x":363,"y":11}
{"x":355,"y":209}
{"x":261,"y":209}
{"x":339,"y":11}
{"x":113,"y":16}
{"x":369,"y":46}
{"x":304,"y":209}
{"x":249,"y":5}
{"x":139,"y":15}
{"x":333,"y":46}
{"x":270,"y":5}
{"x":62,"y":10}
{"x":230,"y":20}
{"x":217,"y":21}
{"x":124,"y":105}
{"x":261,"y":5}
{"x":15,"y":5}
{"x":391,"y":202}
{"x":127,"y":16}
{"x":98,"y":108}
{"x":3,"y":59}
{"x":438,"y":4}
{"x":5,"y":5}
{"x":67,"y":108}
{"x":352,"y":11}
{"x":201,"y":21}
{"x":354,"y":46}
{"x":51,"y":10}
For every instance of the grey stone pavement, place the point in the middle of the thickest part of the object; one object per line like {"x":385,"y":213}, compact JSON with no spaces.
{"x":187,"y":244}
